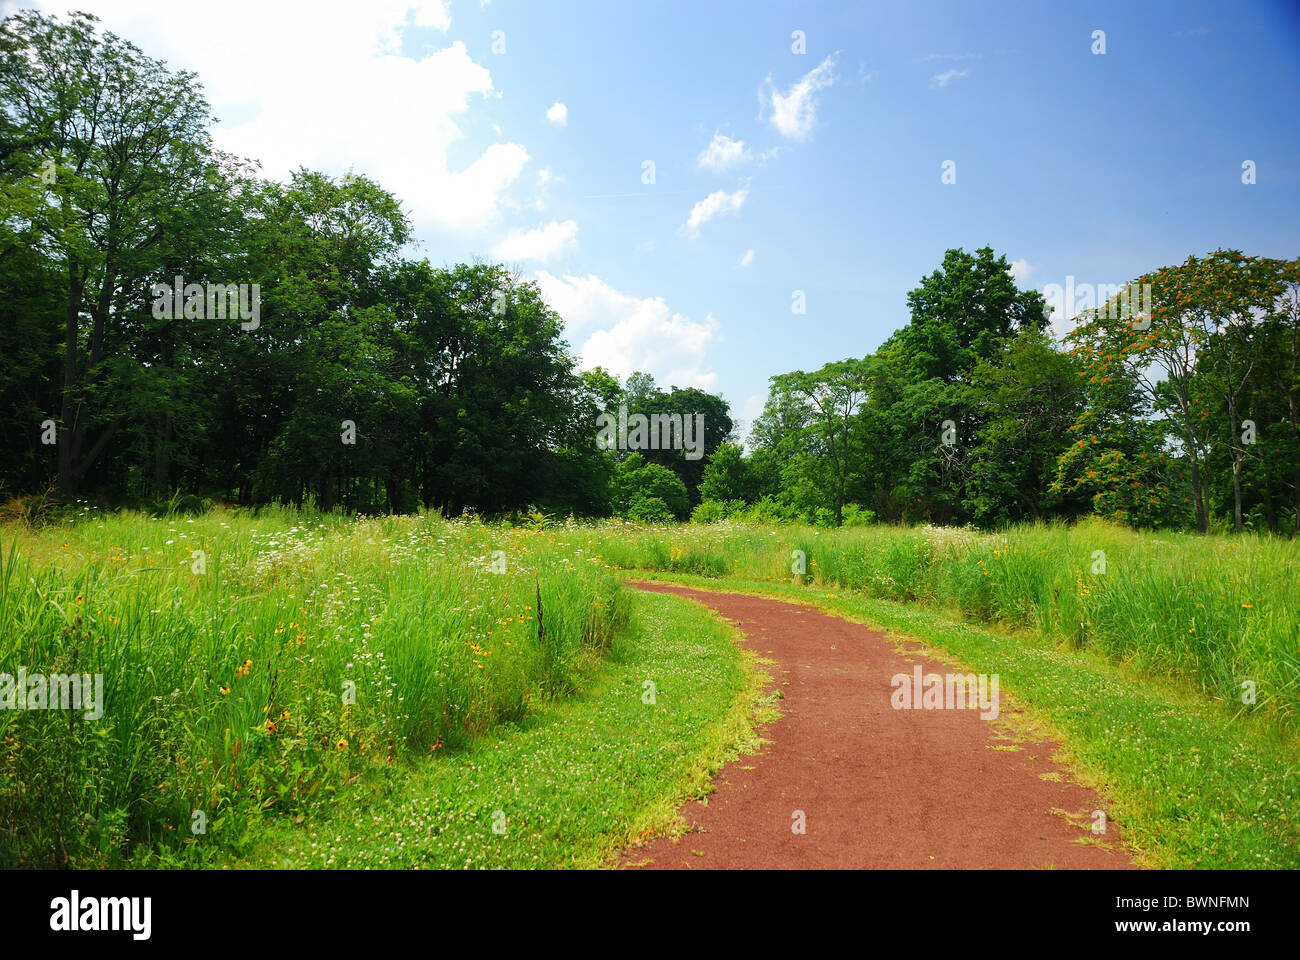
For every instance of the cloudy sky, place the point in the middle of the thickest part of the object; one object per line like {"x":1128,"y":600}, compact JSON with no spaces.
{"x":674,"y":174}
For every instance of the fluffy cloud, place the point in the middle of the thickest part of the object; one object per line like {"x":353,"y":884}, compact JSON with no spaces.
{"x":795,"y":112}
{"x":283,"y":89}
{"x":748,"y":258}
{"x":558,"y":114}
{"x":543,"y":243}
{"x":945,"y":78}
{"x":1020,"y":271}
{"x":718,"y":202}
{"x":624,"y":333}
{"x":723,"y":153}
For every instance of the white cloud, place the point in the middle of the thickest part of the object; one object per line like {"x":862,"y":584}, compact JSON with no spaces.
{"x":718,"y":202}
{"x":624,"y":333}
{"x":1020,"y":271}
{"x":544,"y":180}
{"x":795,"y":112}
{"x":544,"y":243}
{"x":336,"y":98}
{"x":558,"y":113}
{"x":723,"y":153}
{"x":748,"y":258}
{"x":945,"y":78}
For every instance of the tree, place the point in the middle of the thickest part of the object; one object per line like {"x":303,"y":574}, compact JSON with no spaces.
{"x":1028,"y":397}
{"x":125,"y":144}
{"x":832,"y":397}
{"x":1191,"y":304}
{"x":962,"y":313}
{"x":726,"y":477}
{"x":636,"y":481}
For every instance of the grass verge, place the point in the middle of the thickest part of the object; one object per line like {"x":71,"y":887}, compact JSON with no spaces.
{"x":576,"y":781}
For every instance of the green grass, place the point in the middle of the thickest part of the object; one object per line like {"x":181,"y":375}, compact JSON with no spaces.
{"x":304,"y":652}
{"x":324,"y":677}
{"x":1220,"y":614}
{"x":1187,"y":786}
{"x":574,"y":784}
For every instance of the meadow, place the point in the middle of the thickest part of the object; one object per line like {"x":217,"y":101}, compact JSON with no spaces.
{"x":254,"y":663}
{"x":273,"y":674}
{"x":1218,"y":614}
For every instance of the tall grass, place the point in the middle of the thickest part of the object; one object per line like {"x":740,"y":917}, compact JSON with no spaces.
{"x":303,"y":652}
{"x":1220,"y":613}
{"x":310,"y":654}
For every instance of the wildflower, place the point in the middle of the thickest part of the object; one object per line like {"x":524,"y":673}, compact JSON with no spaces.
{"x":224,"y":690}
{"x":342,"y":744}
{"x":270,"y":726}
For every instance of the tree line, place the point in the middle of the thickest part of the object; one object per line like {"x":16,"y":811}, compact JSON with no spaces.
{"x":330,"y":368}
{"x":366,"y":381}
{"x":1183,"y":413}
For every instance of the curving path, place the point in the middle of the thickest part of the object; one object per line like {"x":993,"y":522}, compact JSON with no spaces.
{"x":878,"y":787}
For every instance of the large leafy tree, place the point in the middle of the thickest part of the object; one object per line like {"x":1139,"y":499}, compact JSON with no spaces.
{"x":641,"y":395}
{"x":1028,"y":398}
{"x":962,"y":313}
{"x":109,"y":152}
{"x":831,"y":398}
{"x":1205,"y":306}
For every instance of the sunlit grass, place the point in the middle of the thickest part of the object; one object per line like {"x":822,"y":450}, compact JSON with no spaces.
{"x":1219,"y":613}
{"x":262,"y":668}
{"x":253,"y":663}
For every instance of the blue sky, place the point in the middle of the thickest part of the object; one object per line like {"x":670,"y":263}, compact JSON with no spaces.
{"x":827,"y":164}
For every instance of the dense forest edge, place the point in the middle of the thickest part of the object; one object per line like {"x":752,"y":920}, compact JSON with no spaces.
{"x":179,"y":331}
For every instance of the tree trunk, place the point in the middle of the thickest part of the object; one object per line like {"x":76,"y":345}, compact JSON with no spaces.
{"x":328,"y":488}
{"x":69,"y":410}
{"x":162,"y":458}
{"x":1202,"y":519}
{"x":1237,"y":455}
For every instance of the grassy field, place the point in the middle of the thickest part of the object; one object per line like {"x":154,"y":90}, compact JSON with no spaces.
{"x":574,"y":784}
{"x":255,"y":664}
{"x":1220,"y":615}
{"x":277,"y":683}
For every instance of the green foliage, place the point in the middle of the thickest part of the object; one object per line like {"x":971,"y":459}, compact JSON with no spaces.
{"x":962,"y":313}
{"x":1029,"y":396}
{"x":1204,"y":613}
{"x":659,"y":489}
{"x":645,"y":509}
{"x":727,"y":475}
{"x":305,"y":653}
{"x":709,"y":511}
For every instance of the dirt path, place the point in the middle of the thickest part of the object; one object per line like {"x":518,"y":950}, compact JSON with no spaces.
{"x":878,"y":786}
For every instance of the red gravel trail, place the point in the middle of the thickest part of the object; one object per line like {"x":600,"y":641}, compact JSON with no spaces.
{"x":878,"y":787}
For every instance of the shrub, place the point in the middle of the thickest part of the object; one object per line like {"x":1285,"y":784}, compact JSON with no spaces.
{"x":709,"y":511}
{"x":649,"y":510}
